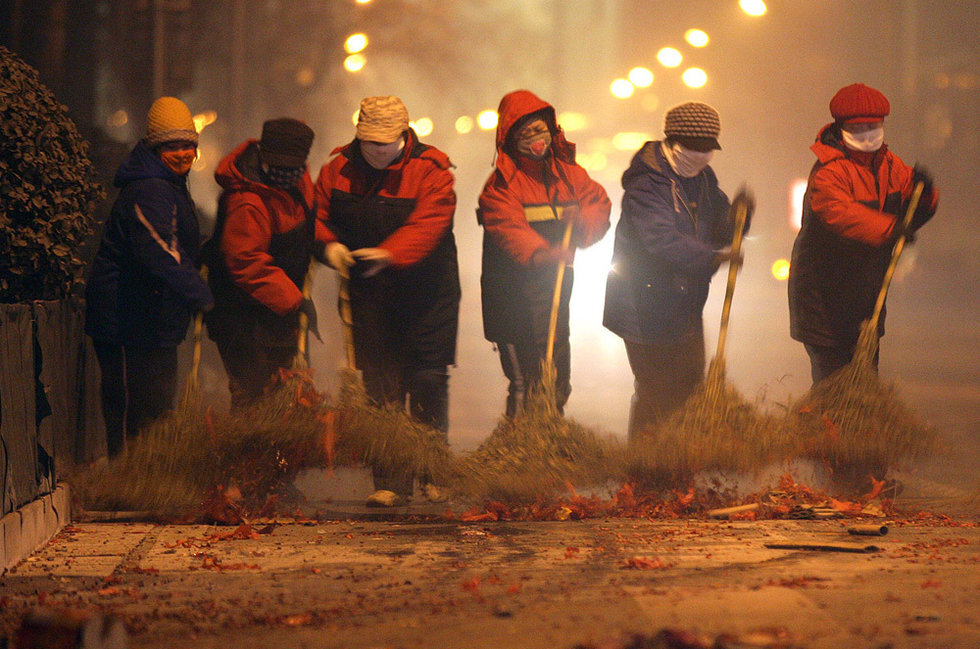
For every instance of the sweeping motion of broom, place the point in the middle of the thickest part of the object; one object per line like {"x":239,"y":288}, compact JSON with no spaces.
{"x":548,"y":371}
{"x":193,"y":387}
{"x":867,"y":345}
{"x":301,"y":361}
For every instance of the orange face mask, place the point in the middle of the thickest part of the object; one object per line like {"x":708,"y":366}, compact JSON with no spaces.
{"x":179,"y":161}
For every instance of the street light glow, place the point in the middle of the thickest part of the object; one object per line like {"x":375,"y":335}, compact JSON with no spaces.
{"x":780,"y":269}
{"x":629,"y":141}
{"x":422,"y":127}
{"x":621,"y":88}
{"x":694,"y":77}
{"x":572,"y":121}
{"x":641,"y":77}
{"x":669,"y":57}
{"x":696,"y":37}
{"x":355,"y":43}
{"x":354,"y":62}
{"x":487,"y":119}
{"x":464,"y":124}
{"x":753,"y":7}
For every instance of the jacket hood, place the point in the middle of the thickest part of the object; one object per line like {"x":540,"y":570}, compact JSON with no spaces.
{"x":240,"y":170}
{"x":142,"y":163}
{"x":515,"y":106}
{"x":649,"y":158}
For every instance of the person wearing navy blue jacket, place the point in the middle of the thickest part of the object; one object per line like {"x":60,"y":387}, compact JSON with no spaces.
{"x":673,"y":233}
{"x":144,"y":285}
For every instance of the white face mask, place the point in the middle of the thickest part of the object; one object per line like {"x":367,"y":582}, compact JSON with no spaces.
{"x":867,"y":141}
{"x":380,"y":155}
{"x":685,"y":162}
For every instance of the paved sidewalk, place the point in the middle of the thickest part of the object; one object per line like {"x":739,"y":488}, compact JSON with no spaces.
{"x":366,"y":584}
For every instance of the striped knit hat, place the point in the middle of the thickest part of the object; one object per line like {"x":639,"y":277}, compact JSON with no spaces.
{"x":381,"y":119}
{"x":169,"y":120}
{"x":693,"y":120}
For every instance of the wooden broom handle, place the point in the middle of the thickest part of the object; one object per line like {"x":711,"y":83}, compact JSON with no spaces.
{"x":896,"y":253}
{"x":346,"y":316}
{"x":733,"y":266}
{"x":556,"y":298}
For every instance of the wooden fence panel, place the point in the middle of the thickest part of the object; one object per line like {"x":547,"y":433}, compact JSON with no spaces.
{"x":17,"y":412}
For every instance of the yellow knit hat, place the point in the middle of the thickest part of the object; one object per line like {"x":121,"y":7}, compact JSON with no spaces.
{"x":381,"y":119}
{"x":169,"y":120}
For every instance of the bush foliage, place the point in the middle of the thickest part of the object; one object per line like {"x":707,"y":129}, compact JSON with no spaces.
{"x":48,"y":188}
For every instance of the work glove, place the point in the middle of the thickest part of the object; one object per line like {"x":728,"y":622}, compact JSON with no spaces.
{"x":923,"y":211}
{"x":307,"y":307}
{"x":372,"y":260}
{"x":551,"y":257}
{"x":338,"y":256}
{"x":745,"y":196}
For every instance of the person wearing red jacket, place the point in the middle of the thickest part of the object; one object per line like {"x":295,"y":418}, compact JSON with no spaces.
{"x":534,"y":191}
{"x":259,"y":255}
{"x":856,"y":197}
{"x":385,"y":206}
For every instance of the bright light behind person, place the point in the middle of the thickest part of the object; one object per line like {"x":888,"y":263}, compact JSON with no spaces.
{"x":694,"y":77}
{"x":422,"y":127}
{"x":464,"y":124}
{"x":696,"y":37}
{"x":753,"y":7}
{"x":780,"y":269}
{"x":355,"y":43}
{"x":354,"y":62}
{"x":641,"y":77}
{"x":621,"y":88}
{"x":669,"y":57}
{"x":487,"y":120}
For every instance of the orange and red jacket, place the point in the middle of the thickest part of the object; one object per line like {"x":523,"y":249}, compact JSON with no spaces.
{"x":412,"y":208}
{"x":252,"y":215}
{"x":850,"y":210}
{"x":523,"y":199}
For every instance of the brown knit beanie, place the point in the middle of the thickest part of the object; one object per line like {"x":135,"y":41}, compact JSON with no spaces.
{"x":381,"y":119}
{"x":285,"y":142}
{"x":694,"y":121}
{"x":169,"y":120}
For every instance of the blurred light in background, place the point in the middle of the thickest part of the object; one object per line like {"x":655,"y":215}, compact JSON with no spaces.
{"x":572,"y":121}
{"x":650,"y":102}
{"x":487,"y":119}
{"x":796,"y":191}
{"x":694,"y":77}
{"x":353,"y":118}
{"x":669,"y":57}
{"x":422,"y":127}
{"x":117,"y":119}
{"x":780,"y":269}
{"x":641,"y":77}
{"x":305,"y":76}
{"x":753,"y":7}
{"x":464,"y":124}
{"x":592,"y":161}
{"x":363,"y":2}
{"x":205,"y":119}
{"x":354,"y":62}
{"x":621,"y":88}
{"x":629,"y":141}
{"x":355,"y":43}
{"x":696,"y":37}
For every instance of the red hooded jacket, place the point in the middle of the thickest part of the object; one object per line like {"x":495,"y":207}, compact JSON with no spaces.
{"x":252,"y":214}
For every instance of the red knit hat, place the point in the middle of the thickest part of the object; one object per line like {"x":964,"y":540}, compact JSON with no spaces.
{"x":859,"y":103}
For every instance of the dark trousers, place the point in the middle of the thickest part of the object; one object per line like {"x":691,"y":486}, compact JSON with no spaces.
{"x":825,"y":360}
{"x":521,"y":363}
{"x":138,"y":385}
{"x":251,"y":367}
{"x":665,"y":375}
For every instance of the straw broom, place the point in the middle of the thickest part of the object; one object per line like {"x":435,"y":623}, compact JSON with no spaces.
{"x":715,"y":429}
{"x":852,"y":420}
{"x":538,"y":454}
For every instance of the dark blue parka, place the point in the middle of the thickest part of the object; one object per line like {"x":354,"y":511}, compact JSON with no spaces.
{"x":664,"y":252}
{"x":144,"y":285}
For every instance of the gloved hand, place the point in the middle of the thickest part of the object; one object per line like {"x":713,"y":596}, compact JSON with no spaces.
{"x":375,"y":260}
{"x":745,"y":196}
{"x":307,"y":307}
{"x":726,"y":254}
{"x":550,"y":257}
{"x":923,"y":211}
{"x":338,"y":256}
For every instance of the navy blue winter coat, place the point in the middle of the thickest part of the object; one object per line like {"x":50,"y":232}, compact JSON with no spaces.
{"x":663,"y":255}
{"x":144,"y":284}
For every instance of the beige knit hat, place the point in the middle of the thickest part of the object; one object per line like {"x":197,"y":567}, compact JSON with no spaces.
{"x":381,"y":119}
{"x":169,"y":120}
